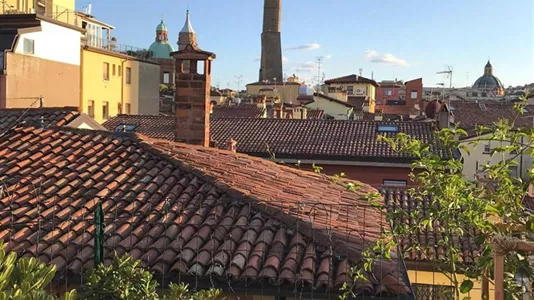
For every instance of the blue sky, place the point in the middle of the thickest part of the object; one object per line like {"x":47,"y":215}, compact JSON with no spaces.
{"x":389,"y":38}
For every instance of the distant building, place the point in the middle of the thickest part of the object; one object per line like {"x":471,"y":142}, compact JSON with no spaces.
{"x":40,"y":56}
{"x":353,"y":89}
{"x":488,"y":83}
{"x":116,"y":79}
{"x":161,"y":51}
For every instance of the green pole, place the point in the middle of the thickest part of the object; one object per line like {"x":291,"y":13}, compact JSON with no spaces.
{"x":99,"y":234}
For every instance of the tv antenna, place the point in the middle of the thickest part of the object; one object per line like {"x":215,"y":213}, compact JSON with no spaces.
{"x":239,"y":80}
{"x":449,"y":75}
{"x":319,"y":63}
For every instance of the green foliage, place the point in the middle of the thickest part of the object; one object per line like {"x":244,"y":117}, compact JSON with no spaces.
{"x":122,"y":279}
{"x":26,"y":278}
{"x":125,"y":279}
{"x":181,"y":292}
{"x":461,"y":207}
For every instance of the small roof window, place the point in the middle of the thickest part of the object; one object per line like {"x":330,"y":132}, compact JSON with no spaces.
{"x":126,"y":128}
{"x":388,"y":128}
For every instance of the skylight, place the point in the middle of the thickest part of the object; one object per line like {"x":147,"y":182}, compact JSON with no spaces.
{"x":388,"y":128}
{"x":126,"y":128}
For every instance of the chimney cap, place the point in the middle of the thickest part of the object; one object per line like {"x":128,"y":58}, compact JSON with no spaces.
{"x":193,"y":52}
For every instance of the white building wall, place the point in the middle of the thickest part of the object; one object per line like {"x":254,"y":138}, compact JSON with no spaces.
{"x":53,"y":42}
{"x":478,"y":156}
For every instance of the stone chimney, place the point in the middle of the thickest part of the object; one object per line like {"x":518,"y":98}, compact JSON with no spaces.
{"x":192,"y":96}
{"x":231,"y":145}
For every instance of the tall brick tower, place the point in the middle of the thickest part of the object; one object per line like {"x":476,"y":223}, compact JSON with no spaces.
{"x":271,"y":44}
{"x":192,"y":96}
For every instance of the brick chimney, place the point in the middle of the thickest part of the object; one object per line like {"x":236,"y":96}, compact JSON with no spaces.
{"x":192,"y":96}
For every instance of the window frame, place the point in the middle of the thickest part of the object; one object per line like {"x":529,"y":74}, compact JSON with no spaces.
{"x":105,"y":71}
{"x":91,"y":108}
{"x":128,"y":75}
{"x":395,"y":182}
{"x":105,"y":110}
{"x":28,"y":42}
{"x":166,"y":77}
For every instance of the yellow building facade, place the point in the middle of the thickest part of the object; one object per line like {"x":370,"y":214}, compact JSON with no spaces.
{"x":60,"y":10}
{"x":287,"y":92}
{"x":110,"y":84}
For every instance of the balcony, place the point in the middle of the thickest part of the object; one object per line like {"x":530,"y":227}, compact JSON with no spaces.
{"x":111,"y":45}
{"x":44,"y":8}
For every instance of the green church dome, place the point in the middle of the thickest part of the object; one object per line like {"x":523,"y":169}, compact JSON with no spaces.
{"x":161,"y":27}
{"x":161,"y":50}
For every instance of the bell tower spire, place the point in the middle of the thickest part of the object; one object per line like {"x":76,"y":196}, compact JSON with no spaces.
{"x":187,"y":35}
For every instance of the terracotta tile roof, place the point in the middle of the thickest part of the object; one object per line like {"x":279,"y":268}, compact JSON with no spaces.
{"x":185,"y":211}
{"x":238,"y":111}
{"x":56,"y":116}
{"x":469,"y":115}
{"x":353,"y":78}
{"x":315,"y":113}
{"x":319,"y":139}
{"x":295,"y":139}
{"x":395,"y":198}
{"x":157,"y":127}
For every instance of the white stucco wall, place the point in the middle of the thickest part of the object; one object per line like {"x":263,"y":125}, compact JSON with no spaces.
{"x":334,"y":109}
{"x":53,"y":42}
{"x":478,"y":156}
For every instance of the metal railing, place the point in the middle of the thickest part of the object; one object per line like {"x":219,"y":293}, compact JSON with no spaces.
{"x":44,"y":8}
{"x":103,"y":43}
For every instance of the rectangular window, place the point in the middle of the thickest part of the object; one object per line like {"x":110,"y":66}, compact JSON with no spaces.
{"x":390,"y":182}
{"x":105,"y":110}
{"x":126,"y":128}
{"x":105,"y":71}
{"x":350,"y":90}
{"x":120,"y":70}
{"x":128,"y":75}
{"x":91,"y":108}
{"x":487,"y":147}
{"x":514,"y":171}
{"x":28,"y":46}
{"x":166,"y":77}
{"x":114,"y":66}
{"x":413,"y":95}
{"x":389,"y":92}
{"x":119,"y":108}
{"x":127,"y":107}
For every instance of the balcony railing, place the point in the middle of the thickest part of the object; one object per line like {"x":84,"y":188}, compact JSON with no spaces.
{"x":44,"y":8}
{"x":103,"y":43}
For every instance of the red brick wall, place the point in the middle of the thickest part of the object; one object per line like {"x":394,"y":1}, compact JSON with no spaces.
{"x":381,"y":97}
{"x":192,"y":99}
{"x":365,"y":174}
{"x":414,"y":85}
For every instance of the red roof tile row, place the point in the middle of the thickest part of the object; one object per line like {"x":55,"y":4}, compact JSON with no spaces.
{"x":49,"y":116}
{"x":297,"y":139}
{"x":185,"y":211}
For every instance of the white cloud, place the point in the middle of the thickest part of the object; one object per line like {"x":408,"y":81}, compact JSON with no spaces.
{"x":308,"y":47}
{"x":375,"y":57}
{"x":328,"y":57}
